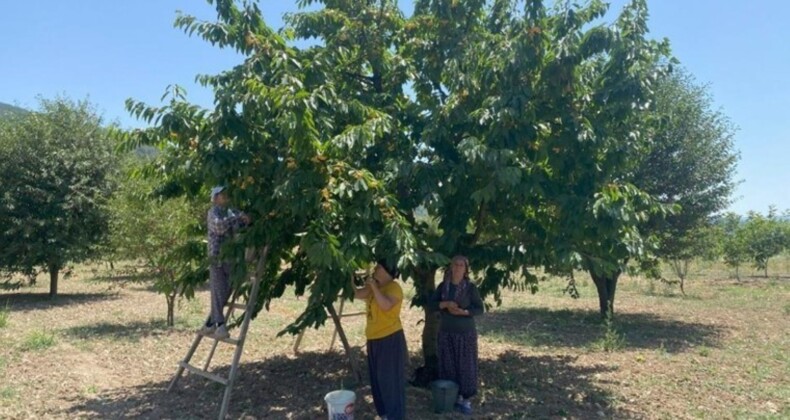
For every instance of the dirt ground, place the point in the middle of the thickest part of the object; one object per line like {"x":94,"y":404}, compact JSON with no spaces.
{"x":102,"y":350}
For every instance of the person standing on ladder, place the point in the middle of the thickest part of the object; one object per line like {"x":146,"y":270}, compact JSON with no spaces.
{"x":223,"y":222}
{"x":386,"y":343}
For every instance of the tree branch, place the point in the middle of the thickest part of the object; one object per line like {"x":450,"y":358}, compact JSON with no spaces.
{"x":481,"y":213}
{"x":443,"y":95}
{"x":366,"y":79}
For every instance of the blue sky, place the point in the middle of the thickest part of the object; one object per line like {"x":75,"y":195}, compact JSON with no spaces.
{"x":111,"y":50}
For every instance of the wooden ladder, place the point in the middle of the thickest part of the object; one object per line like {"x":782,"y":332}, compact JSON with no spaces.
{"x":238,"y":342}
{"x":337,"y":316}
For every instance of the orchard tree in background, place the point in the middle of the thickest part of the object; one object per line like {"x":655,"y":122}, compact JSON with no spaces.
{"x":698,"y":243}
{"x":165,"y":234}
{"x":734,"y":248}
{"x":764,"y":237}
{"x":56,"y":165}
{"x":515,"y":142}
{"x":690,"y":163}
{"x":755,"y":238}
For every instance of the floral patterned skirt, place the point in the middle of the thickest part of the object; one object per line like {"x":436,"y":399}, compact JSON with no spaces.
{"x":458,"y":360}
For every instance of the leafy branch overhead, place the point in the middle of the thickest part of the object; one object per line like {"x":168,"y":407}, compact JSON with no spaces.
{"x":501,"y":130}
{"x":292,"y":151}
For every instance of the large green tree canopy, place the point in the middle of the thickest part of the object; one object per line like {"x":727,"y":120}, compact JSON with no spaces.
{"x":512,"y":125}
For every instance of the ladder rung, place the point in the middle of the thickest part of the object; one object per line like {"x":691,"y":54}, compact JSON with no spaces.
{"x":203,"y":373}
{"x":238,"y":306}
{"x":228,"y":340}
{"x":352,"y":314}
{"x":224,"y":340}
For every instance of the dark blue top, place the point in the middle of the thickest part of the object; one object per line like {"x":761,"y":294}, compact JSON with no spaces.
{"x":471,"y":301}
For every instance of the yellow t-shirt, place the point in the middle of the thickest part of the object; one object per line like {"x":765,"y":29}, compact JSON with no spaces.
{"x":381,"y":324}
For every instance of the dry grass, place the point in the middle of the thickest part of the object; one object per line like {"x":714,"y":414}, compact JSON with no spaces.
{"x":102,"y":350}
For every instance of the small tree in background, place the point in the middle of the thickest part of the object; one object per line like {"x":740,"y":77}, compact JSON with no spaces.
{"x":166,"y":234}
{"x":699,"y":243}
{"x":56,"y":167}
{"x":733,"y":239}
{"x":764,"y":237}
{"x":784,"y":221}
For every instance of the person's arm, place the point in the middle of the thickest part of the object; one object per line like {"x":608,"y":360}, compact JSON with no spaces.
{"x":475,"y":307}
{"x":242,"y":219}
{"x":385,"y":302}
{"x":221,"y":225}
{"x":436,"y":303}
{"x":362,"y":293}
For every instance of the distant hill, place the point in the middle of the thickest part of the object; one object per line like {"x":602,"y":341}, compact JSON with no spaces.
{"x":10,"y":109}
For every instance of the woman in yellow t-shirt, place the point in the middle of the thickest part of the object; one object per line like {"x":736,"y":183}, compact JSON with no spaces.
{"x":386,"y":346}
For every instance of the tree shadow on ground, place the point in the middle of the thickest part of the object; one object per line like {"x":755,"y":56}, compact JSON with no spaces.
{"x":36,"y":301}
{"x":140,"y":281}
{"x":545,"y":386}
{"x":514,"y":386}
{"x":129,"y":331}
{"x":11,"y":285}
{"x":762,"y":277}
{"x":122,"y":278}
{"x":277,"y":387}
{"x":673,"y":294}
{"x":537,"y":327}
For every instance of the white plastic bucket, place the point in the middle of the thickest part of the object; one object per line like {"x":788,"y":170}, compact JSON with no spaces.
{"x":340,"y":404}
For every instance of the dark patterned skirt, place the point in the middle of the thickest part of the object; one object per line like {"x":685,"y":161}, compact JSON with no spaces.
{"x":458,"y":360}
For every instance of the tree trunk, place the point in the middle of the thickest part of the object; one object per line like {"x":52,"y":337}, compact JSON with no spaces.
{"x":682,"y":271}
{"x":738,"y":272}
{"x":171,"y":303}
{"x":429,"y":371}
{"x":54,"y":271}
{"x":766,"y":269}
{"x":606,"y":286}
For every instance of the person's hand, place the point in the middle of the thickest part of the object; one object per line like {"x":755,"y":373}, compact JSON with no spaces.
{"x":457,"y":311}
{"x":448,"y":304}
{"x":372,"y":283}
